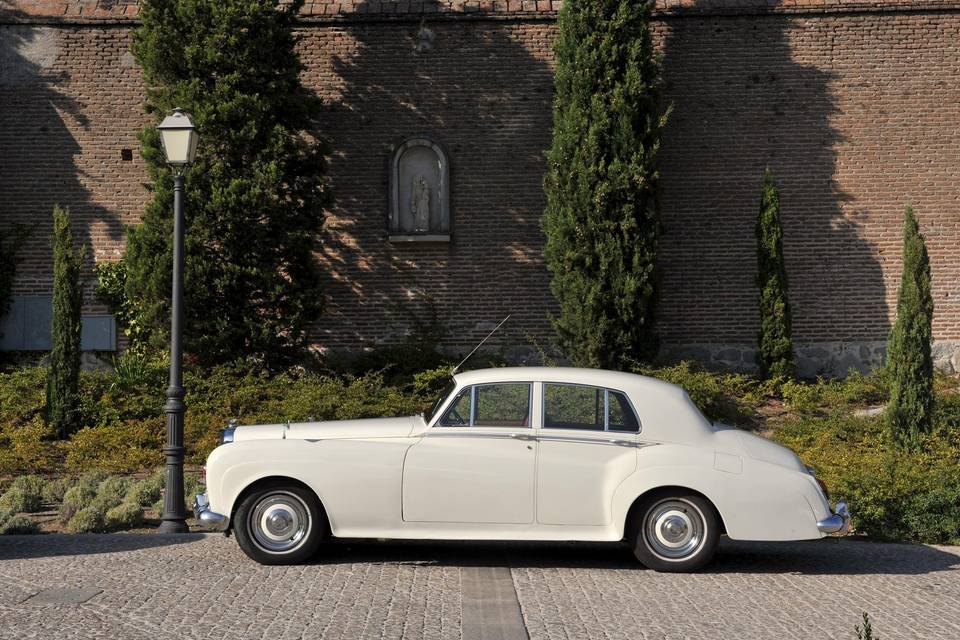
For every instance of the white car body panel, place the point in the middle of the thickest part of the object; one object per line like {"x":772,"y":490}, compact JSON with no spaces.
{"x":406,"y":478}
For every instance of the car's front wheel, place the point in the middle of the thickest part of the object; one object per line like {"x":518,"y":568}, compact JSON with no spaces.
{"x":677,"y":533}
{"x":279,"y":524}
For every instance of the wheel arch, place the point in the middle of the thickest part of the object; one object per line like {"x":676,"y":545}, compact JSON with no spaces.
{"x":278,"y":481}
{"x":630,"y":520}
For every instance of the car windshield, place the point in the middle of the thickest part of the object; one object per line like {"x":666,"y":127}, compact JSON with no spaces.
{"x":428,"y":415}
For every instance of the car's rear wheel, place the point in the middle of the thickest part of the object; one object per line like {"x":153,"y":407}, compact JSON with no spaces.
{"x":676,"y":533}
{"x":280,"y":524}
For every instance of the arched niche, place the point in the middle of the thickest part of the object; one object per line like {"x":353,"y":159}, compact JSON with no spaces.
{"x":419,"y":192}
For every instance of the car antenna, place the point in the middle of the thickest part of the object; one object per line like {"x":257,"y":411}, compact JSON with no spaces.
{"x":453,"y":371}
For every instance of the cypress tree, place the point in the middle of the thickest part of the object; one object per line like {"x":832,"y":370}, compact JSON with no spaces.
{"x":775,"y":347}
{"x":63,"y":397}
{"x":256,"y":195}
{"x":602,"y":219}
{"x":909,"y":361}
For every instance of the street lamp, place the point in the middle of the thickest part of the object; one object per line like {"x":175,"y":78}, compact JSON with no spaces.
{"x":179,"y":139}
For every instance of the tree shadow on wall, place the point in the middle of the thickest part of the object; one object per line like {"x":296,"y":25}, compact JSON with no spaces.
{"x":743,"y":101}
{"x":482,"y":91}
{"x":39,"y":150}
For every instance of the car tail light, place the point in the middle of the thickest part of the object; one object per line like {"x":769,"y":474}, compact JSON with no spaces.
{"x":823,"y":486}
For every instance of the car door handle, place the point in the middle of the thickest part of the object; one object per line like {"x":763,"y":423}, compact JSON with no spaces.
{"x":522,"y":436}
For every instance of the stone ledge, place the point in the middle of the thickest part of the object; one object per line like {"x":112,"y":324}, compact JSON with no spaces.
{"x":830,"y":359}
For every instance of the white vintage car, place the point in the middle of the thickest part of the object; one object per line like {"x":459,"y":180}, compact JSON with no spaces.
{"x":517,"y":454}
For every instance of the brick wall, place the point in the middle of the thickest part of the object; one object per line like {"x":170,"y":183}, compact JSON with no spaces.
{"x":853,"y":104}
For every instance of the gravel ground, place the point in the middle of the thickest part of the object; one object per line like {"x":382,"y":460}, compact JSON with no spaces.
{"x":202,"y":586}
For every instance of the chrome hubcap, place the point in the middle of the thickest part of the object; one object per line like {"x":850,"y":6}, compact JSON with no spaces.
{"x":279,"y":522}
{"x":674,"y":529}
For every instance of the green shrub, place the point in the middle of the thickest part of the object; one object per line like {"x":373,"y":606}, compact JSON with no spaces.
{"x":88,"y":520}
{"x":63,"y":396}
{"x":257,"y":192}
{"x":54,"y":490}
{"x":602,"y":217}
{"x":118,"y":448}
{"x":9,"y":259}
{"x":866,"y":631}
{"x":25,"y":493}
{"x":126,"y":515}
{"x":910,"y":412}
{"x":774,"y":345}
{"x":894,"y":494}
{"x":90,"y":480}
{"x":27,"y":447}
{"x":19,"y":525}
{"x":76,"y":498}
{"x":723,"y":397}
{"x":5,"y":514}
{"x":111,"y":492}
{"x":147,"y":491}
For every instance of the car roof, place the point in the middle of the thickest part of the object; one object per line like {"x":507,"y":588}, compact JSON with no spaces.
{"x":571,"y":375}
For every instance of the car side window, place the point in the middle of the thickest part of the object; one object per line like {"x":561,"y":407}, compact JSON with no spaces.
{"x":568,"y":406}
{"x":621,"y":415}
{"x":458,"y":415}
{"x":490,"y":405}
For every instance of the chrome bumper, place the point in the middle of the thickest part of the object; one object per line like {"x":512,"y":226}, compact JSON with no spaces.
{"x":208,"y":519}
{"x":838,"y":522}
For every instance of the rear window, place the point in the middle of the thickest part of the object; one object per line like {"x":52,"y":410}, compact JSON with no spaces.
{"x":569,"y":406}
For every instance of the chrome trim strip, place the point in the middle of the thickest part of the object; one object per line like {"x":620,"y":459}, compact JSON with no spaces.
{"x":465,"y":432}
{"x":207,"y":519}
{"x":448,"y":432}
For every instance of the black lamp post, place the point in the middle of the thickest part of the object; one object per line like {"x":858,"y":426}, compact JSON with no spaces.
{"x":179,"y":139}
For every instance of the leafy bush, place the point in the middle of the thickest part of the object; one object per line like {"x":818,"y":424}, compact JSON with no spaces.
{"x":723,"y":397}
{"x":774,"y":344}
{"x":24,"y":494}
{"x":81,"y":494}
{"x":27,"y":447}
{"x":90,"y":480}
{"x":126,"y":515}
{"x":111,"y":492}
{"x":147,"y":491}
{"x":87,"y":520}
{"x":118,"y":448}
{"x":910,"y":412}
{"x":856,"y":390}
{"x":19,"y":525}
{"x":257,"y":191}
{"x":602,"y":217}
{"x":54,"y":490}
{"x":866,"y":631}
{"x":63,"y":395}
{"x":894,"y":494}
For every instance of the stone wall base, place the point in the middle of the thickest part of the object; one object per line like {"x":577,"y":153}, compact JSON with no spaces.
{"x":813,"y":359}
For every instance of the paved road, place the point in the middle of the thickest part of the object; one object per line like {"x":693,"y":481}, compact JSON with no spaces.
{"x":195,"y":586}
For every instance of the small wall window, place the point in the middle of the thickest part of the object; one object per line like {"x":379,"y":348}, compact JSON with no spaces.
{"x":569,"y":406}
{"x":490,"y":405}
{"x":419,"y":192}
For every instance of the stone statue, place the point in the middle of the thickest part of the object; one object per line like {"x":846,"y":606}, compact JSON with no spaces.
{"x":420,"y":204}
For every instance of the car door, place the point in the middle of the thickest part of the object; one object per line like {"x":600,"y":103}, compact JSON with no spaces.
{"x":477,"y":463}
{"x":587,"y":447}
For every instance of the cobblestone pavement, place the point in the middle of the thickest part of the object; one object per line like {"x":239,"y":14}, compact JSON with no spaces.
{"x":197,"y":586}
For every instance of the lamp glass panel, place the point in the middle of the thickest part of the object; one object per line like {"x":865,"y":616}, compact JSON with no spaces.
{"x":177,"y":145}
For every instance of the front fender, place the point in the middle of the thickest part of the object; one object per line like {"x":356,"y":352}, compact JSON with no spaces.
{"x":357,"y":481}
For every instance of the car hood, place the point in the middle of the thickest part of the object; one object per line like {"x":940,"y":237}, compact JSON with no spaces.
{"x":331,"y":429}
